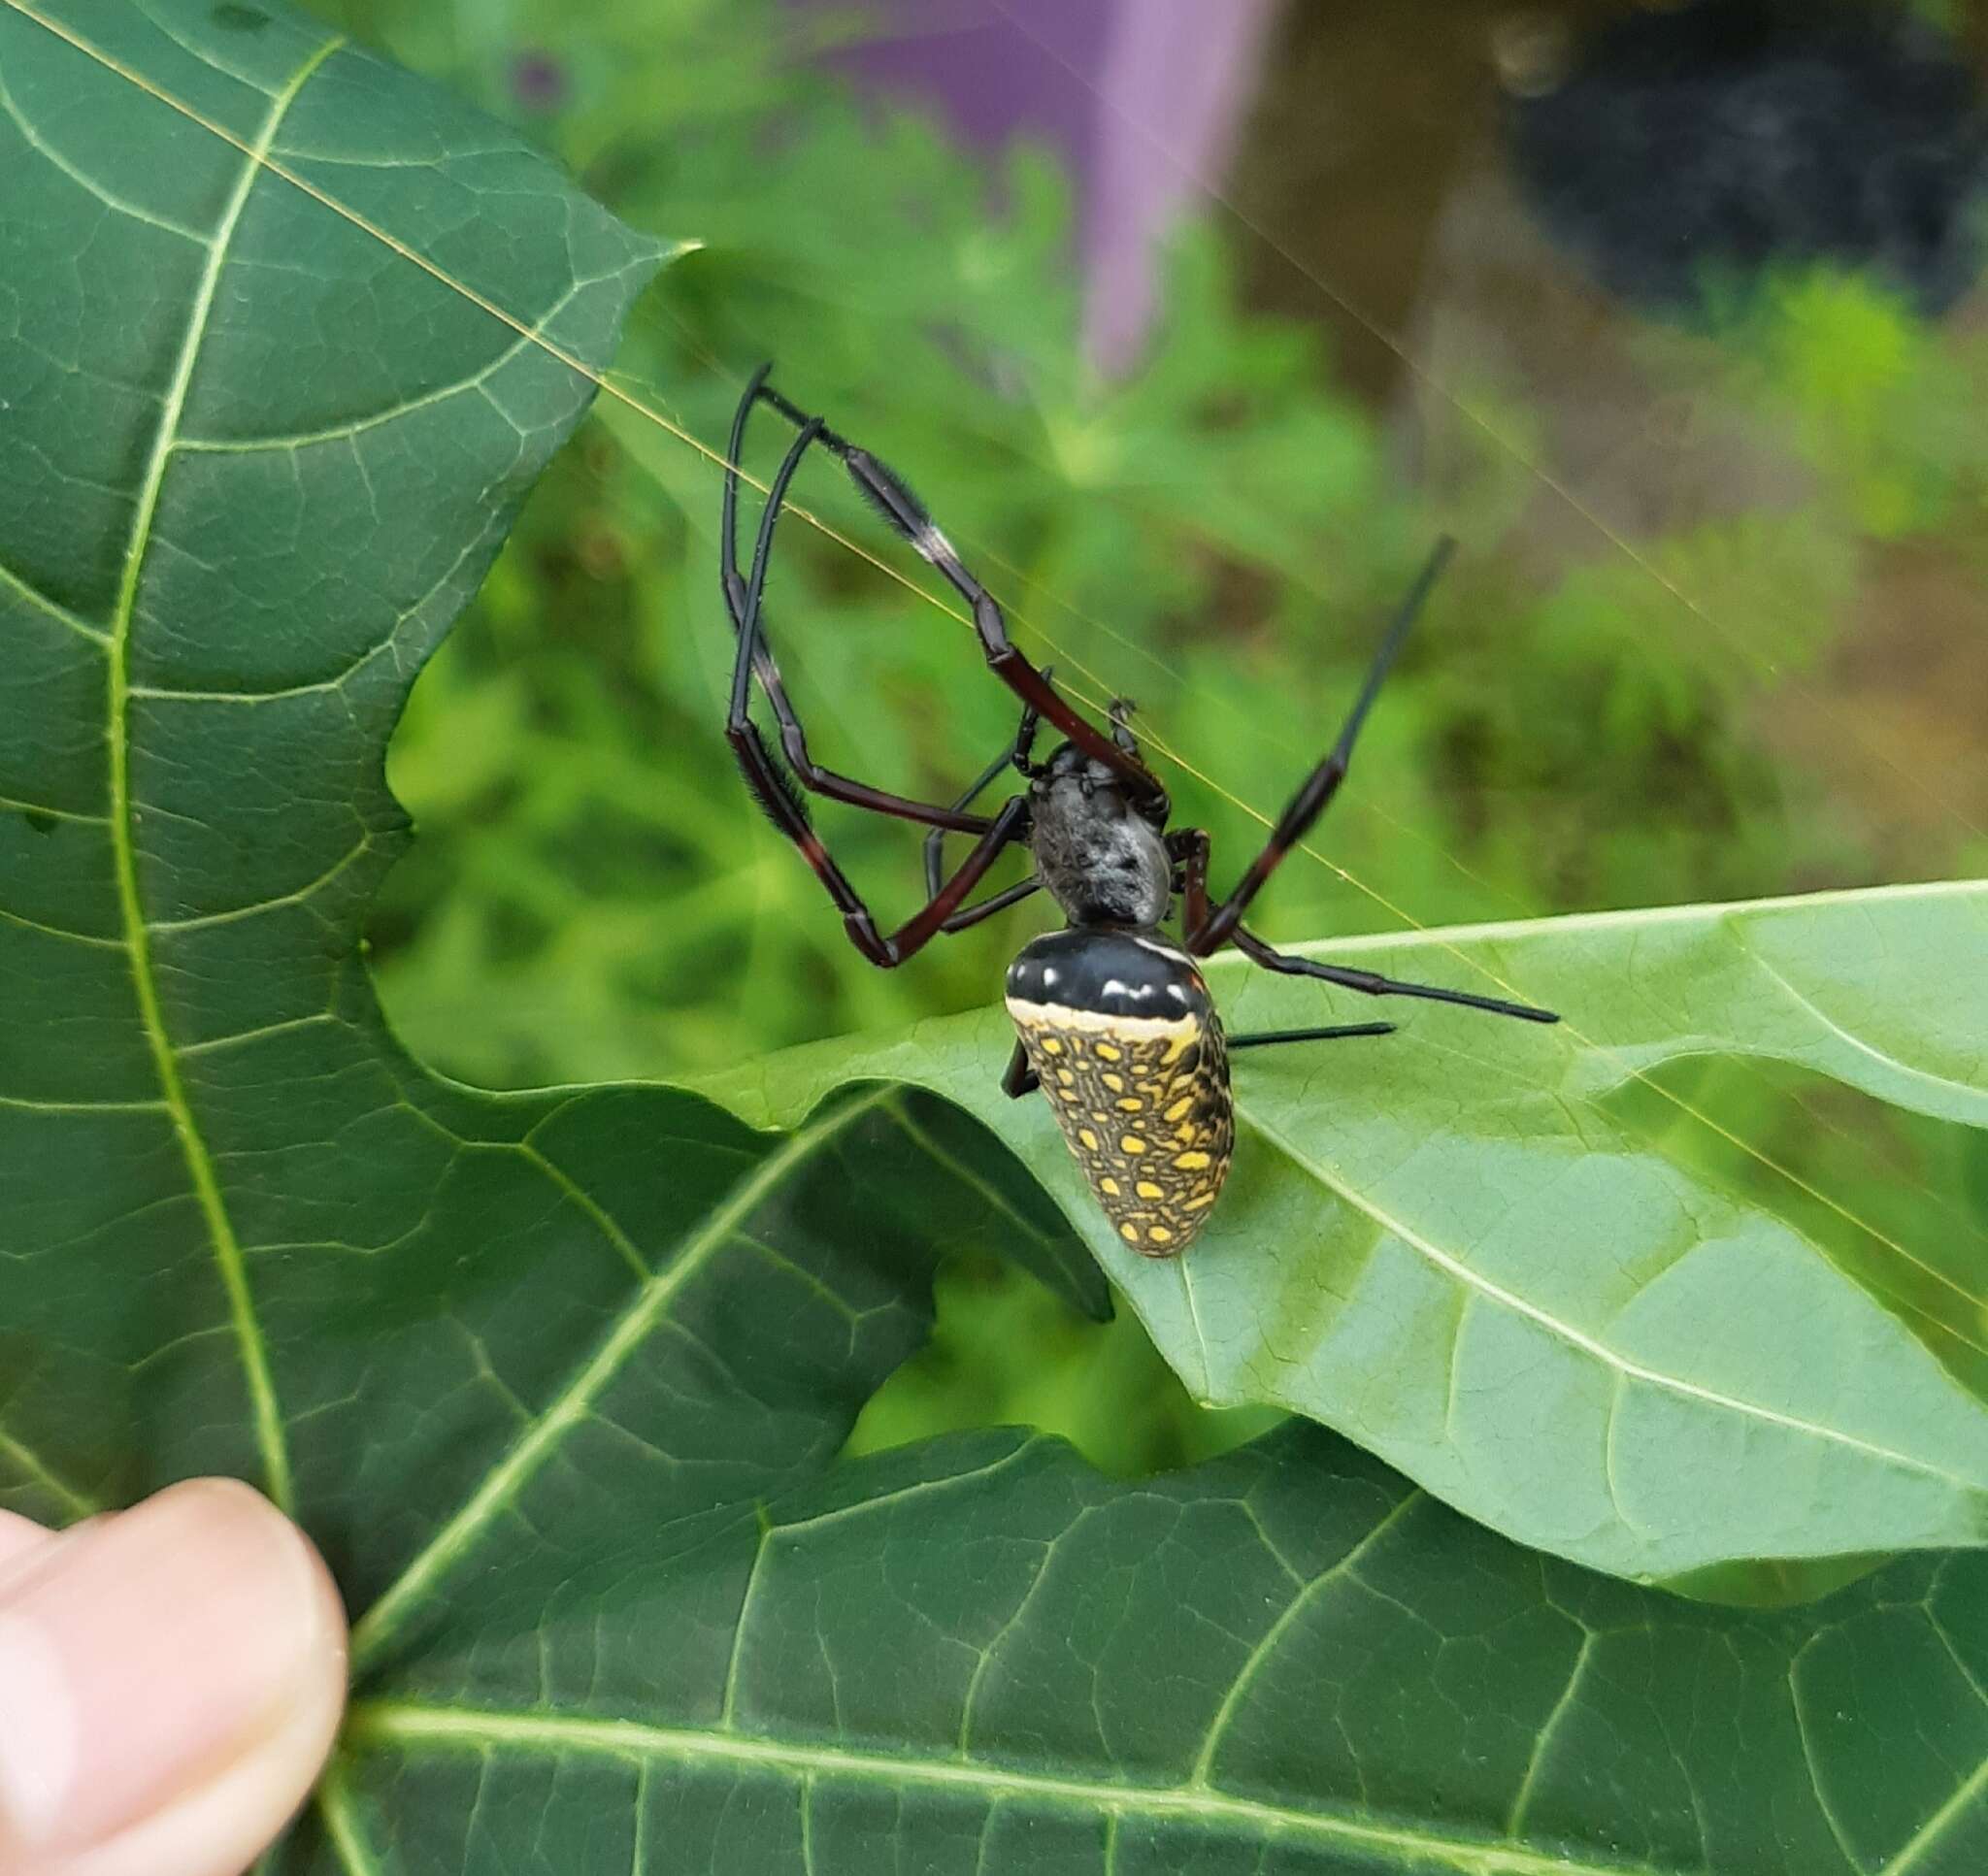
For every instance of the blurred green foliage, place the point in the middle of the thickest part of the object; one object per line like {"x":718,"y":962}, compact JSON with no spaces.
{"x":593,"y":895}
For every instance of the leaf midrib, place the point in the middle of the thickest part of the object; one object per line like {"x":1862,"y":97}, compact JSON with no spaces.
{"x":227,"y":1249}
{"x":486,"y":1731}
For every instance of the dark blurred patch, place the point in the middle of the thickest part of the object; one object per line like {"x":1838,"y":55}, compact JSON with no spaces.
{"x":1683,"y":154}
{"x":538,"y":81}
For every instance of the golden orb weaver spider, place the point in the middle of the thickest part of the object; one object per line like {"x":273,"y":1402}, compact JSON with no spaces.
{"x":1115,"y":1020}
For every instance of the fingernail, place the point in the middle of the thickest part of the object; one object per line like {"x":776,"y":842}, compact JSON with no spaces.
{"x":144,"y":1654}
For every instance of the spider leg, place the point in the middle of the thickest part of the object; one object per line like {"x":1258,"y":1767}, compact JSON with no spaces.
{"x":933,"y":918}
{"x":1008,"y":896}
{"x":743,"y":602}
{"x":1371,"y":983}
{"x":1019,"y":1078}
{"x":1016,"y":757}
{"x":1187,"y":846}
{"x":784,"y":806}
{"x":1262,"y":1037}
{"x":895,"y":502}
{"x":1120,"y":714}
{"x":1212,"y":931}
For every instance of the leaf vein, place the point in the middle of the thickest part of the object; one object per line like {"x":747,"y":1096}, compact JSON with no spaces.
{"x":392,"y":414}
{"x":26,"y":1460}
{"x":254,"y":1356}
{"x":1566,"y":1331}
{"x":1522,"y":1800}
{"x":117,"y":204}
{"x":1267,"y":1642}
{"x":652,"y":1297}
{"x":1857,"y":1042}
{"x":400,"y":1724}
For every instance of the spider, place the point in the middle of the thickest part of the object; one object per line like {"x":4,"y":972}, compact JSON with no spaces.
{"x":1115,"y":1020}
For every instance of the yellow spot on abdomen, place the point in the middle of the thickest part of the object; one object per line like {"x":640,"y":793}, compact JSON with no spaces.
{"x":1109,"y":1053}
{"x":1050,"y":1046}
{"x":1159,"y":1234}
{"x":1190,"y":1161}
{"x":1148,"y":1190}
{"x":1115,"y":1082}
{"x":1131,"y":1105}
{"x":1179,"y":1107}
{"x":1129,"y":1232}
{"x":1090,"y":1139}
{"x":1109,"y":1187}
{"x":1132,"y":1143}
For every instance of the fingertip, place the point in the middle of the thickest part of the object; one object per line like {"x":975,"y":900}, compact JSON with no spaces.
{"x":19,"y":1537}
{"x":181,"y":1667}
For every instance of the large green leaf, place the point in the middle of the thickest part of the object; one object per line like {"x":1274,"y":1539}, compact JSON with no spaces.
{"x":977,"y":1656}
{"x":1451,"y":1246}
{"x":557,"y":1380}
{"x":253,"y":462}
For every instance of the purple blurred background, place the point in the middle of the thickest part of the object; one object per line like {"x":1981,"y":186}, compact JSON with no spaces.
{"x":1084,"y":75}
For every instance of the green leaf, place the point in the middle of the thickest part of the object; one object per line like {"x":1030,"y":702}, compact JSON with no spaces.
{"x":254,"y":462}
{"x":557,"y":1380}
{"x":978,"y":1655}
{"x":1456,"y":1247}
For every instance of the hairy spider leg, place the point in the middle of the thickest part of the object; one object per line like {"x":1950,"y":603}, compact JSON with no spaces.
{"x":1189,"y":849}
{"x":1191,"y":846}
{"x":783,"y":804}
{"x":890,"y":496}
{"x":1211,"y":932}
{"x":934,"y":840}
{"x":740,"y":603}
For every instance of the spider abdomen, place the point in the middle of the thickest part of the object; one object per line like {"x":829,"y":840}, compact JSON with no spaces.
{"x":1120,"y":1031}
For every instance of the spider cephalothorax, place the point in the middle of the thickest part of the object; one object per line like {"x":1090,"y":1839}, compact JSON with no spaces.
{"x":1114,"y":1020}
{"x":1099,"y":852}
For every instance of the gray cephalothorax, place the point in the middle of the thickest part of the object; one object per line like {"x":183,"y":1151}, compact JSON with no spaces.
{"x":1101,"y":859}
